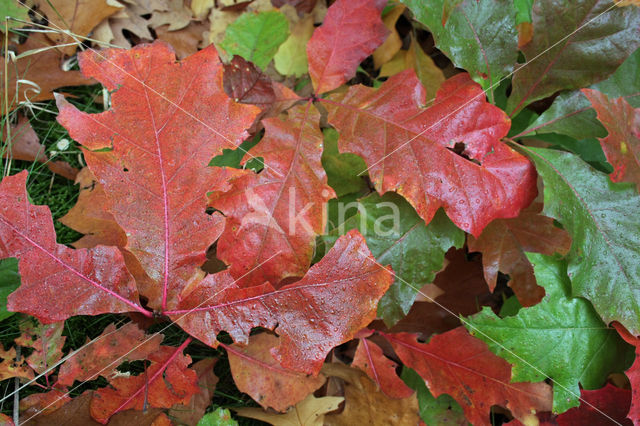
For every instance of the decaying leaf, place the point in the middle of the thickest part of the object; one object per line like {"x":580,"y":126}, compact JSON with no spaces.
{"x":310,"y":412}
{"x":365,"y":404}
{"x":34,"y":77}
{"x":78,"y":17}
{"x":107,"y":352}
{"x":166,"y":381}
{"x":25,"y":145}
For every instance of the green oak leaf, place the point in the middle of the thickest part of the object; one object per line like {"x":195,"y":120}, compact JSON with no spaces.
{"x":479,"y":35}
{"x":602,"y":219}
{"x":9,"y":281}
{"x":562,"y":338}
{"x":256,"y":36}
{"x":523,"y":10}
{"x":342,"y":169}
{"x":574,"y":44}
{"x":433,"y":411}
{"x":219,"y":417}
{"x":571,"y":113}
{"x":414,"y":250}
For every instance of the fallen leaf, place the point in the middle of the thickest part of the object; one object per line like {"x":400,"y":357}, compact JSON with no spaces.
{"x":370,"y":359}
{"x":106,"y":352}
{"x":462,"y":366}
{"x":178,"y":104}
{"x":256,"y":37}
{"x":11,"y":367}
{"x":78,"y":17}
{"x":291,"y":58}
{"x":46,"y":341}
{"x":76,"y":413}
{"x":351,"y":31}
{"x":336,"y":298}
{"x":367,"y":405}
{"x":25,"y":145}
{"x":264,"y":238}
{"x":177,"y":15}
{"x":599,"y":407}
{"x":44,"y":403}
{"x":166,"y":381}
{"x":81,"y":282}
{"x":474,"y":176}
{"x":190,"y":414}
{"x":185,"y":41}
{"x":256,"y":373}
{"x":310,"y":412}
{"x":32,"y":78}
{"x":245,"y":83}
{"x":461,"y":276}
{"x":89,"y":215}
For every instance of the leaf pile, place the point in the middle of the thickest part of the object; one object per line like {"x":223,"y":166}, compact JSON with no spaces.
{"x":399,"y":215}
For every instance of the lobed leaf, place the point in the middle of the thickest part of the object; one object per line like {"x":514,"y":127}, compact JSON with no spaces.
{"x":412,"y":150}
{"x":562,"y":338}
{"x":583,"y":42}
{"x":162,"y":130}
{"x":82,"y":282}
{"x":335,"y":299}
{"x":603,"y":260}
{"x":351,"y":31}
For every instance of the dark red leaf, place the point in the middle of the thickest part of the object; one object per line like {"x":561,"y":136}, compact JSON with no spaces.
{"x":336,"y":298}
{"x":448,"y":155}
{"x":246,"y":84}
{"x":604,"y":406}
{"x":462,"y":366}
{"x":370,"y":359}
{"x":58,"y":282}
{"x":351,"y":31}
{"x":273,"y":217}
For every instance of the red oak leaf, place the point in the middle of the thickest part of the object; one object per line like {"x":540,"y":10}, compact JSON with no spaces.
{"x":462,"y":366}
{"x":168,"y":119}
{"x":256,"y":373}
{"x":633,"y":373}
{"x":448,"y":155}
{"x":106,"y":352}
{"x":503,"y":244}
{"x":336,"y":298}
{"x":622,"y":145}
{"x":351,"y":31}
{"x":166,"y":382}
{"x":370,"y":359}
{"x":66,"y":282}
{"x":605,"y":406}
{"x":273,"y":217}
